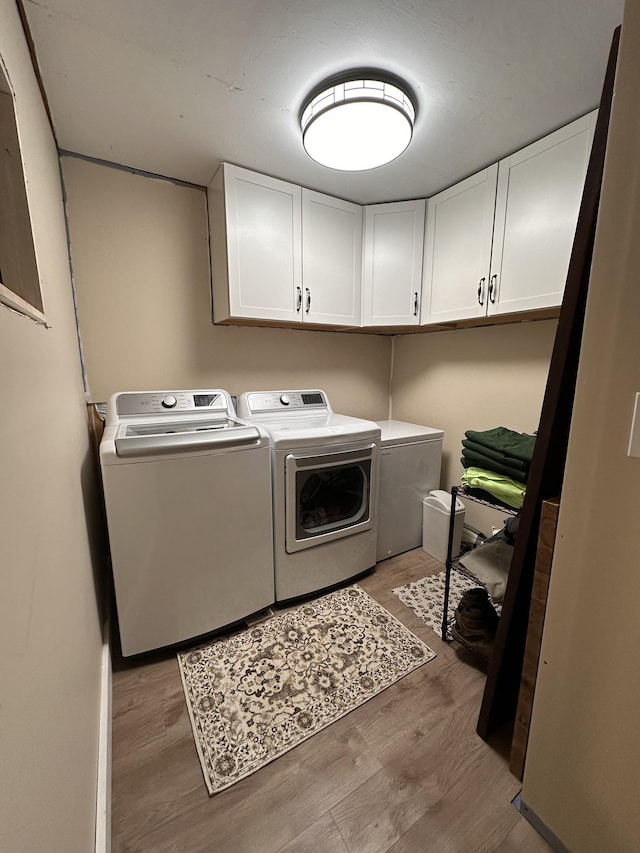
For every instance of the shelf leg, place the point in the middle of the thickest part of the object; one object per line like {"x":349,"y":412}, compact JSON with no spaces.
{"x":448,"y":563}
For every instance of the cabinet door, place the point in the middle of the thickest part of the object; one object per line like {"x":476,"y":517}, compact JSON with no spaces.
{"x":392,"y":280}
{"x":458,"y":249}
{"x":537,"y":203}
{"x":331,"y":260}
{"x":263,"y":246}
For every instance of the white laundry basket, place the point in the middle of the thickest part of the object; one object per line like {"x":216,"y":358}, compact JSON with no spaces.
{"x":436,"y":509}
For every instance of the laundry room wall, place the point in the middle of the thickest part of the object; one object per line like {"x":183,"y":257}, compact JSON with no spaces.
{"x":50,"y":631}
{"x":140,"y":261}
{"x":472,"y":379}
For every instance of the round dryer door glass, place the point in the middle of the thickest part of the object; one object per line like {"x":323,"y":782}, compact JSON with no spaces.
{"x":331,"y":498}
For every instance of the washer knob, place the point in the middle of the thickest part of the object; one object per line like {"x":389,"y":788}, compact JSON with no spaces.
{"x":169,"y":401}
{"x":285,"y":399}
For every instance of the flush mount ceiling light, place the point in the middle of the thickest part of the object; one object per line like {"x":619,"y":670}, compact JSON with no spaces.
{"x":357,"y":122}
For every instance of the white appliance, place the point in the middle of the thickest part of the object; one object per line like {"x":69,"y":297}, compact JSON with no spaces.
{"x":187,"y":490}
{"x":325,"y":481}
{"x":410,"y":461}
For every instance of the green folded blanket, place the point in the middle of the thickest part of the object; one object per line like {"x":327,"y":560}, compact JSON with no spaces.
{"x":496,"y":455}
{"x":501,"y":487}
{"x":470,"y":459}
{"x":502,"y":440}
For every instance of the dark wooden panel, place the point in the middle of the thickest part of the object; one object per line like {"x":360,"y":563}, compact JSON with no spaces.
{"x":542,"y":573}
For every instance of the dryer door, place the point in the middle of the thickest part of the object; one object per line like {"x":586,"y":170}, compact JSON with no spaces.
{"x":328,"y":496}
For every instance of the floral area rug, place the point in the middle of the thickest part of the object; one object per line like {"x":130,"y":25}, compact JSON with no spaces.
{"x":426,"y":596}
{"x":256,"y":694}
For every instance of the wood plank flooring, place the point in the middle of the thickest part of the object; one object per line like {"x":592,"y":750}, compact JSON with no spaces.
{"x":405,"y":772}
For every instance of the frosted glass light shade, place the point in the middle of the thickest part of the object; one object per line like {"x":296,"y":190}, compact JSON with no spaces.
{"x":357,"y":125}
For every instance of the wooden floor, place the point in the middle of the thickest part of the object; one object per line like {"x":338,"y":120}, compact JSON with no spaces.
{"x":405,"y":772}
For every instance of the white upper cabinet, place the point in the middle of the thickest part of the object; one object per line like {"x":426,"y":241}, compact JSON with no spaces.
{"x":458,"y":249}
{"x":499,"y":242}
{"x":392,"y":268}
{"x":331,"y":260}
{"x":537,"y":204}
{"x":282,"y":253}
{"x":255,"y":247}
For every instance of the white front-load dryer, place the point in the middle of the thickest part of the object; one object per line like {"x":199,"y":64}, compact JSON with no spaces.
{"x":187,"y":490}
{"x":325,"y":489}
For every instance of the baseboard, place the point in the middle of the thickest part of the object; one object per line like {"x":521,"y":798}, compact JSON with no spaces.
{"x":103,"y":791}
{"x":541,"y":828}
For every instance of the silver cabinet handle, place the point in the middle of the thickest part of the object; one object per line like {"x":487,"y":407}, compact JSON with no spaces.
{"x":298,"y":299}
{"x":415,"y":304}
{"x":481,"y":291}
{"x":308,"y":292}
{"x":493,"y":290}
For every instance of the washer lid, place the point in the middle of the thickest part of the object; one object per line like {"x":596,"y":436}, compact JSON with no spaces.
{"x":137,"y":440}
{"x":399,"y":432}
{"x":175,"y":427}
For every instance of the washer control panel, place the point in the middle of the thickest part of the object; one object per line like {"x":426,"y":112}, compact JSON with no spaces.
{"x":281,"y":401}
{"x":167,"y":402}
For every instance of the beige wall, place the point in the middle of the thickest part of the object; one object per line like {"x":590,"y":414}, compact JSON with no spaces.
{"x":472,"y":379}
{"x":583,"y":764}
{"x":49,"y":627}
{"x":141,"y":270}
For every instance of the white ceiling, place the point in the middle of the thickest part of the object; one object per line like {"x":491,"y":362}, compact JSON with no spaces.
{"x":175,"y":86}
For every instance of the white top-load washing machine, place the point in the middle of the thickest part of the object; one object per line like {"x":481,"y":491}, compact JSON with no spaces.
{"x":410,"y":461}
{"x":187,"y":490}
{"x":325,"y":481}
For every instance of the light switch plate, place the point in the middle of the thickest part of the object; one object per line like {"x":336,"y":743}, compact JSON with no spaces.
{"x":634,"y":438}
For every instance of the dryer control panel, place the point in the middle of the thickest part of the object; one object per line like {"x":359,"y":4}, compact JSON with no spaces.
{"x":260,"y":402}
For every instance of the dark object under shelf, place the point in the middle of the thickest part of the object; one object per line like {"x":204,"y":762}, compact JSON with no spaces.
{"x":451,"y":558}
